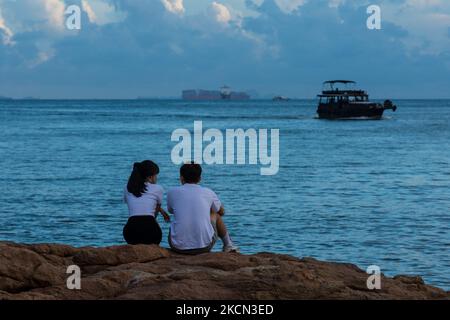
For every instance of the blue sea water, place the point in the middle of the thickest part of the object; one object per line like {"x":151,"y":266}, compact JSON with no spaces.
{"x":366,"y":192}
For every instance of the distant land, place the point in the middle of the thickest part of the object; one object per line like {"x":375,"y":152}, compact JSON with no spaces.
{"x":30,"y":98}
{"x":24,"y":98}
{"x":155,"y":98}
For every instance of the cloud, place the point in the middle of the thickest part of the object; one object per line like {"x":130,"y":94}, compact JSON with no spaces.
{"x":101,"y":12}
{"x":33,"y":15}
{"x":174,"y":6}
{"x":5,"y":31}
{"x":90,"y":12}
{"x":128,"y":48}
{"x":289,"y":6}
{"x":286,"y":6}
{"x":55,"y":12}
{"x":46,"y":52}
{"x":426,"y":23}
{"x":335,"y":3}
{"x":220,"y":12}
{"x":43,"y":20}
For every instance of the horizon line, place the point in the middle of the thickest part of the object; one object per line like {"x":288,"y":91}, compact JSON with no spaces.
{"x":3,"y":99}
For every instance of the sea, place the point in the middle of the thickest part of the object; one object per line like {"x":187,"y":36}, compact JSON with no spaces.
{"x":354,"y":191}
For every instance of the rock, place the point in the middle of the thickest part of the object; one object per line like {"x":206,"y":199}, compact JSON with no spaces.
{"x":21,"y":268}
{"x":410,"y":279}
{"x":118,"y":255}
{"x":151,"y":272}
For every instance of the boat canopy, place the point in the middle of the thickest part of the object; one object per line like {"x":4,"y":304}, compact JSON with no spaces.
{"x":332,"y":88}
{"x":339,"y":81}
{"x":338,"y":85}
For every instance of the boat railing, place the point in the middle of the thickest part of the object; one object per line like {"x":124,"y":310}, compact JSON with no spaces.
{"x":344,"y":92}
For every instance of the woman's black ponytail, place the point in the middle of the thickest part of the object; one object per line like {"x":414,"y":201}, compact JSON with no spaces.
{"x":141,"y":172}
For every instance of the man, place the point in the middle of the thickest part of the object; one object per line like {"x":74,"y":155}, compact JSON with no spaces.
{"x":197,"y":215}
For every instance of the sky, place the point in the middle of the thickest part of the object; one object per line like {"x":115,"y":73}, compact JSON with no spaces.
{"x":157,"y":48}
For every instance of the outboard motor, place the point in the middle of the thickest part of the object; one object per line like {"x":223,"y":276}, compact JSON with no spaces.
{"x":389,"y":105}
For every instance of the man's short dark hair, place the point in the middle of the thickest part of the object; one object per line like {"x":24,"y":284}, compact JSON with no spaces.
{"x":191,"y":172}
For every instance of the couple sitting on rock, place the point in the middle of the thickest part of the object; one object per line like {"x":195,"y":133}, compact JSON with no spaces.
{"x":197,"y":211}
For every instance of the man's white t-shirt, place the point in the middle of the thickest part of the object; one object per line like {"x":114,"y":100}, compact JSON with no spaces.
{"x":146,"y":204}
{"x":191,"y":206}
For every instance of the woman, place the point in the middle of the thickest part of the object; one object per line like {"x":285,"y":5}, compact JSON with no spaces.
{"x":144,"y":197}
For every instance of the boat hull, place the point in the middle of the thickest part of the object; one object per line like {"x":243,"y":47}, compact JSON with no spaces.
{"x":351,"y":111}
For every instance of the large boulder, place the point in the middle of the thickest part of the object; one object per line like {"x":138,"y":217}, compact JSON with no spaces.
{"x":151,"y":272}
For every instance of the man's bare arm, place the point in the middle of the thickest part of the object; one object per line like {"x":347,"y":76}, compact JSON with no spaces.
{"x":221,"y":211}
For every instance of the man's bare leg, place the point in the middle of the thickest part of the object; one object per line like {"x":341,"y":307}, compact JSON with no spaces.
{"x":220,"y":225}
{"x":222,"y":232}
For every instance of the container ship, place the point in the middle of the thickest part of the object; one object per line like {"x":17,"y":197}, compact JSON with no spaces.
{"x":225,"y":93}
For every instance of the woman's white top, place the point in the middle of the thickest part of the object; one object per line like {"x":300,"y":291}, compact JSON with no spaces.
{"x":146,"y":204}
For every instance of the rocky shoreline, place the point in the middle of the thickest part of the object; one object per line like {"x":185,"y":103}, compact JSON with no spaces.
{"x":150,"y":272}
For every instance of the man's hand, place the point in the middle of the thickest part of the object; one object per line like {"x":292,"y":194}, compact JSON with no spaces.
{"x":166,"y":217}
{"x":221,"y":211}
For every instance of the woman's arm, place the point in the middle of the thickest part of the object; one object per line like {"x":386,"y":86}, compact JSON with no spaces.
{"x":163,"y":212}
